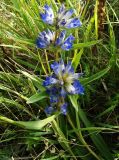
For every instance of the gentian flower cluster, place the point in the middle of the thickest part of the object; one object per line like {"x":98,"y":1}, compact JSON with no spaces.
{"x":63,"y":17}
{"x":64,"y":81}
{"x":56,"y":38}
{"x":47,"y":38}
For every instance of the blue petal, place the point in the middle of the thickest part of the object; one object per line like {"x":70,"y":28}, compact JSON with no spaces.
{"x":56,"y":68}
{"x":48,"y":16}
{"x":61,"y":9}
{"x":40,"y":43}
{"x":68,"y":14}
{"x":76,"y":75}
{"x":61,"y":64}
{"x":67,"y":45}
{"x":44,"y":39}
{"x":62,"y":22}
{"x":49,"y":80}
{"x":63,"y":92}
{"x":79,"y":89}
{"x":47,"y":8}
{"x":54,"y":99}
{"x":69,"y":39}
{"x":69,"y":68}
{"x":61,"y":37}
{"x":52,"y":90}
{"x":64,"y":109}
{"x":73,"y":23}
{"x":49,"y":110}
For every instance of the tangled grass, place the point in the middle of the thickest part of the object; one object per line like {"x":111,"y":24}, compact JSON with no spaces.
{"x":90,"y":129}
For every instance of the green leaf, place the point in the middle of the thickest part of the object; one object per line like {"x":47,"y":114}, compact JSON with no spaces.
{"x":10,"y":46}
{"x":37,"y":97}
{"x":86,"y":44}
{"x":96,"y":138}
{"x":113,"y":104}
{"x":51,"y":158}
{"x":73,"y":100}
{"x":12,"y":91}
{"x":96,"y":76}
{"x":76,"y":59}
{"x":33,"y":125}
{"x":36,"y":125}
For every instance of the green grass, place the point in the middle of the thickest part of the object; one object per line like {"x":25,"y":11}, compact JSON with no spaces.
{"x":90,"y":131}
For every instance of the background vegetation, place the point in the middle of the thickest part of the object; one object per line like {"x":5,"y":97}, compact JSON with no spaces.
{"x":91,"y":128}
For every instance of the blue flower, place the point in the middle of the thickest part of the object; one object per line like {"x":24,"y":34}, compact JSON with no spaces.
{"x":64,"y":79}
{"x":49,"y":110}
{"x":48,"y":16}
{"x":63,"y":18}
{"x":47,"y":38}
{"x":62,"y":82}
{"x":64,"y":109}
{"x":54,"y":98}
{"x":50,"y":80}
{"x":65,"y":44}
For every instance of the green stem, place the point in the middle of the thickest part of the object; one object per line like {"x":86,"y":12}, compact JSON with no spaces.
{"x":80,"y":136}
{"x":42,"y":64}
{"x":64,"y":142}
{"x":56,"y":35}
{"x":46,"y":56}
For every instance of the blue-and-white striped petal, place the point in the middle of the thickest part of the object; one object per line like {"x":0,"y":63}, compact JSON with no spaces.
{"x":49,"y":81}
{"x":67,"y":45}
{"x":65,"y":20}
{"x":75,"y":88}
{"x":60,"y":38}
{"x":69,"y":69}
{"x":48,"y":16}
{"x":73,"y":23}
{"x":61,"y":11}
{"x":45,"y":38}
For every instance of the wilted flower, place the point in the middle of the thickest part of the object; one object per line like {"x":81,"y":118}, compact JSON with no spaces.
{"x":64,"y":81}
{"x":47,"y":38}
{"x":63,"y":18}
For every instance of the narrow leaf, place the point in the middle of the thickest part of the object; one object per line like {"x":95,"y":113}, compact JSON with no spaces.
{"x":33,"y":125}
{"x":37,"y":97}
{"x":86,"y":44}
{"x":96,"y":76}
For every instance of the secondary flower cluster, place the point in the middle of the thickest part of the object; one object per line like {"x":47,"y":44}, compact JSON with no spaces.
{"x":47,"y":38}
{"x":63,"y":82}
{"x":63,"y":19}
